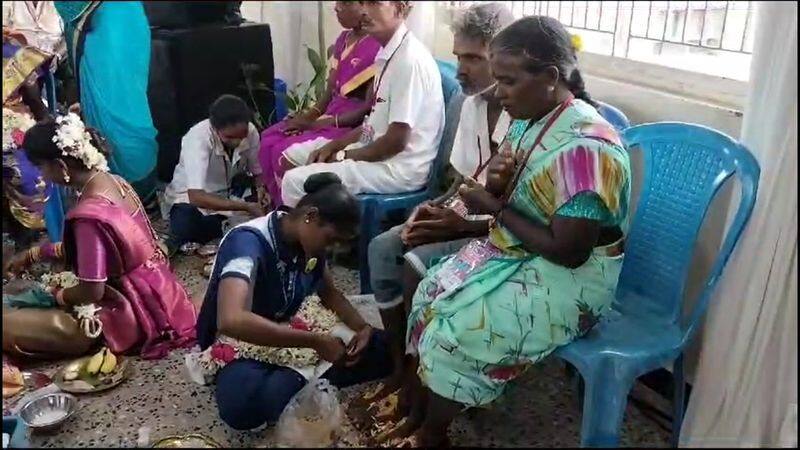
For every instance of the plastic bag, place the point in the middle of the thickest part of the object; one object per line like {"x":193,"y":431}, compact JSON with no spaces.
{"x":312,"y":418}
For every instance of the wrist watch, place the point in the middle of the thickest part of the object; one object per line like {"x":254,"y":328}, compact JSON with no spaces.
{"x":341,"y":155}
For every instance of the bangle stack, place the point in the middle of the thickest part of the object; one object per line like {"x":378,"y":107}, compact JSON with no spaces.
{"x":52,"y":251}
{"x":34,"y":255}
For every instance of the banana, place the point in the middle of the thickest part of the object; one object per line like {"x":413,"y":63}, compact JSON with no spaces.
{"x":95,"y":362}
{"x":70,"y":375}
{"x":109,"y":362}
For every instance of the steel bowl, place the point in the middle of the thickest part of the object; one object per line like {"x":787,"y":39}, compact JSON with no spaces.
{"x":49,"y":412}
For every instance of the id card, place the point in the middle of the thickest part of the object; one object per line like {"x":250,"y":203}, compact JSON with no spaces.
{"x":457,"y":205}
{"x":367,"y":133}
{"x":471,"y":257}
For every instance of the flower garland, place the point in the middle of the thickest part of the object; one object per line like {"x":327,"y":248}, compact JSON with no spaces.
{"x":312,"y":316}
{"x":14,"y":127}
{"x":73,"y":140}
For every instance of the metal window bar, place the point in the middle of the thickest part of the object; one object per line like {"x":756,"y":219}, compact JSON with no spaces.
{"x":547,"y":8}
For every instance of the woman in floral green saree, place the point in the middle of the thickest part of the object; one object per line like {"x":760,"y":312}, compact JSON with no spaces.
{"x":547,"y":271}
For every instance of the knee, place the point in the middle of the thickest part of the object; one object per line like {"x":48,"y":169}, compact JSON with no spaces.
{"x":292,"y":187}
{"x":182,"y":215}
{"x":385,"y":245}
{"x":236,"y":408}
{"x":239,"y":419}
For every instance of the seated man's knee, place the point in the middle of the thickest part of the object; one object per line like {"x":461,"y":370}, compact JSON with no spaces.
{"x":383,"y":245}
{"x":292,"y":187}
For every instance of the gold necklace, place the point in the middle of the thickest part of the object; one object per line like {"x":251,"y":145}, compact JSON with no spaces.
{"x":80,"y":191}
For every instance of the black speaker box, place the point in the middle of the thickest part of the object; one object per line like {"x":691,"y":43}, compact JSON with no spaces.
{"x":184,"y":14}
{"x":190,"y":68}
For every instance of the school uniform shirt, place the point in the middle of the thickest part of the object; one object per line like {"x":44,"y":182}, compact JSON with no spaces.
{"x":204,"y":165}
{"x":256,"y":252}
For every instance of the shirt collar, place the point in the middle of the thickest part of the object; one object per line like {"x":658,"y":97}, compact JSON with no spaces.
{"x":386,"y":52}
{"x":284,"y":253}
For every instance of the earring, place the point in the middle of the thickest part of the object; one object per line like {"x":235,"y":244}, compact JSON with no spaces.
{"x":66,"y":178}
{"x":551,"y":88}
{"x":308,"y":220}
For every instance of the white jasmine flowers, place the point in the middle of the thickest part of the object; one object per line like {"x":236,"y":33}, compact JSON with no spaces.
{"x":73,"y":140}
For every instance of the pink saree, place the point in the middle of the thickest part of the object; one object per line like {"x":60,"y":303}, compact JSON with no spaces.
{"x":145,"y":307}
{"x":353,"y":66}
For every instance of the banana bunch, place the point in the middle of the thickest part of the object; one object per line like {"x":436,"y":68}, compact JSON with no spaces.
{"x":101,"y":362}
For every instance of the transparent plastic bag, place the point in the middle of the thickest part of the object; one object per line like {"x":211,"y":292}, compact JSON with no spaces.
{"x":312,"y":418}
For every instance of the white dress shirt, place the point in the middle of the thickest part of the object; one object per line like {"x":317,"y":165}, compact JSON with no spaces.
{"x":204,"y":165}
{"x":471,"y":146}
{"x":410,"y":92}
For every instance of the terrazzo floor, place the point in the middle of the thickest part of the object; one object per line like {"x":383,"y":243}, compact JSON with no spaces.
{"x":158,"y":400}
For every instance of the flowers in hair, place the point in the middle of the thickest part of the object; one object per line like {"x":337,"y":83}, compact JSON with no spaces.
{"x":73,"y":140}
{"x":577,"y":42}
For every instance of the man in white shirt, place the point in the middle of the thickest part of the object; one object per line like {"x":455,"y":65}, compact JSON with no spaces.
{"x":394,"y":149}
{"x":38,"y":22}
{"x":213,"y":153}
{"x":400,"y":257}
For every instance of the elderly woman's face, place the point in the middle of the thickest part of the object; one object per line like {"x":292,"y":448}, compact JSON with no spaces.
{"x":523,"y":94}
{"x":381,"y":17}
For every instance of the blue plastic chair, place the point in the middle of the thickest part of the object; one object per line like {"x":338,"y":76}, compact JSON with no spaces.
{"x":281,"y":108}
{"x":614,"y":116}
{"x":17,"y":431}
{"x":376,"y":207}
{"x":684,"y":167}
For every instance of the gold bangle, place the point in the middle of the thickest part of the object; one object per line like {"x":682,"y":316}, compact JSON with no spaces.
{"x":58,"y":249}
{"x":34,"y":254}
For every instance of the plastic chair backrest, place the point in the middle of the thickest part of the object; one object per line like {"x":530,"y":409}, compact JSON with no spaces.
{"x":451,"y":118}
{"x":450,"y":85}
{"x":614,"y":116}
{"x":684,"y":167}
{"x":453,"y":99}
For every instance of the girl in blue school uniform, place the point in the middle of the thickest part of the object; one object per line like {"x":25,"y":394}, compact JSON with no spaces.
{"x":264,"y":270}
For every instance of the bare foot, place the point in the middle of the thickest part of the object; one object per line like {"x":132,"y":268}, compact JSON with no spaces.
{"x":376,"y":406}
{"x":383,"y":390}
{"x":422,"y":440}
{"x":390,"y":436}
{"x":364,"y":417}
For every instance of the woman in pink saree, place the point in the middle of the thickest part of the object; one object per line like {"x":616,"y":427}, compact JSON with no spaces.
{"x":342,"y":107}
{"x":126,"y":294}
